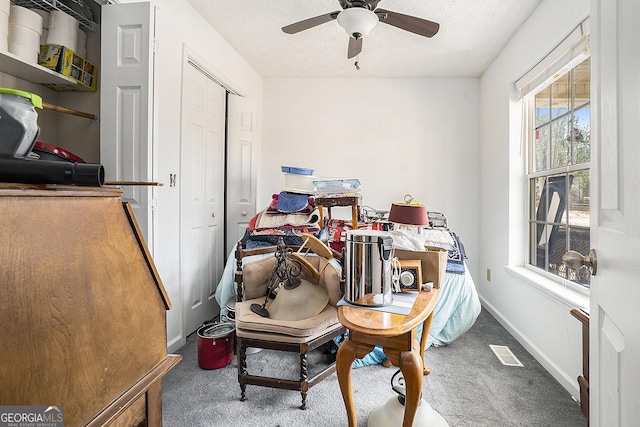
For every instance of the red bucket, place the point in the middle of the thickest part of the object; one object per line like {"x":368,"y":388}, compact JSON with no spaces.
{"x":215,"y":345}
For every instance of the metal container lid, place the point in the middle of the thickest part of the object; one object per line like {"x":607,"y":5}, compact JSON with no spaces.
{"x":367,"y":236}
{"x":231,"y":304}
{"x":216,"y":330}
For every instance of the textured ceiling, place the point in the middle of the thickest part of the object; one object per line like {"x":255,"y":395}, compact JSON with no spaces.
{"x":472,"y":33}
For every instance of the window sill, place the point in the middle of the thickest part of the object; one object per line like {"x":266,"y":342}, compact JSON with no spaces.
{"x":564,"y":291}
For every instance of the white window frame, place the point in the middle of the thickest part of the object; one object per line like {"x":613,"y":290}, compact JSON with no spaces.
{"x":570,"y":52}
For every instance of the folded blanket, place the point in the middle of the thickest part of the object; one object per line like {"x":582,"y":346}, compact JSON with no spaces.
{"x":269,"y":220}
{"x":456,"y":256}
{"x":439,"y":238}
{"x":269,"y":237}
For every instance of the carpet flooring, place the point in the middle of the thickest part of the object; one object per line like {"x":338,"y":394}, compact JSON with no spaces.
{"x":468,"y":386}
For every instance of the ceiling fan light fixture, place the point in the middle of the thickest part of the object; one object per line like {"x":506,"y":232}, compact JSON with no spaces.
{"x":357,"y":21}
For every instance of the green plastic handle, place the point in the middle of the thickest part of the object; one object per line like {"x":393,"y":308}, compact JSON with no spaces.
{"x":35,"y":99}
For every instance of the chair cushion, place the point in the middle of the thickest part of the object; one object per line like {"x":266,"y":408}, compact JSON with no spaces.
{"x":330,"y":280}
{"x":247,"y":321}
{"x":255,"y":277}
{"x":281,"y":338}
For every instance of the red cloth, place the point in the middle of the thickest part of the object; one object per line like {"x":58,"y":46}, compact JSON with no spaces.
{"x":338,"y":228}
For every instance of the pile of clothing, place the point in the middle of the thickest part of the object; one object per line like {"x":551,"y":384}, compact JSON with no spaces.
{"x":288,"y":216}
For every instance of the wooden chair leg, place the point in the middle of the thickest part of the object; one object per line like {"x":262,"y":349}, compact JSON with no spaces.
{"x":242,"y":368}
{"x":304,"y":375}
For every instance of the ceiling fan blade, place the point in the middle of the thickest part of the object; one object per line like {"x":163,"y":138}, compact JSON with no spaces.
{"x":309,"y":23}
{"x":409,"y":23}
{"x":355,"y":47}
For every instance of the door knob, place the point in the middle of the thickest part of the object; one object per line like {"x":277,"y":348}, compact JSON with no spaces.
{"x":213,"y":214}
{"x":575,"y":260}
{"x":244,"y":213}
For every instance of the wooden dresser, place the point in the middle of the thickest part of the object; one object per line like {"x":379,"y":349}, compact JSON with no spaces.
{"x":83,"y":308}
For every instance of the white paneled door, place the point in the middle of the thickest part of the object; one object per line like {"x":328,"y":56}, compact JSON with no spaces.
{"x":126,"y":104}
{"x":242,"y":146}
{"x":615,"y":289}
{"x":201,"y":195}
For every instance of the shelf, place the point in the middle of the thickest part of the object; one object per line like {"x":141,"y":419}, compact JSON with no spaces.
{"x":11,"y":64}
{"x":50,"y":5}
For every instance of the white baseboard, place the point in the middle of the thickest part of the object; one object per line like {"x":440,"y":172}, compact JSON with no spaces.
{"x":568,"y":383}
{"x":174,"y":344}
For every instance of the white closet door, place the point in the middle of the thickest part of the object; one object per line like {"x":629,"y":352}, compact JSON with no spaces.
{"x":201,"y":196}
{"x":126,"y":103}
{"x":242,"y":159}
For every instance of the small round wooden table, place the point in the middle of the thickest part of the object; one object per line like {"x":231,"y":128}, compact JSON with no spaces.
{"x":396,"y":333}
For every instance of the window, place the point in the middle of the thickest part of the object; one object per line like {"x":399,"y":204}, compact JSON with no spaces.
{"x":559,"y":156}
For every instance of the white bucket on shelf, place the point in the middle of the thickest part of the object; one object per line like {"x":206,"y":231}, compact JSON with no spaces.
{"x":4,"y":26}
{"x":63,"y":30}
{"x":81,"y":48}
{"x":4,"y":23}
{"x":24,"y":52}
{"x":25,"y":28}
{"x":19,"y":15}
{"x":45,"y":24}
{"x":5,"y":6}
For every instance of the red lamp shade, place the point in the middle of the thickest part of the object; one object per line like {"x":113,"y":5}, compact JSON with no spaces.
{"x":410,"y":213}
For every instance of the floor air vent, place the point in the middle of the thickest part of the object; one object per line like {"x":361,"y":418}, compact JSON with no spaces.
{"x":504,"y":354}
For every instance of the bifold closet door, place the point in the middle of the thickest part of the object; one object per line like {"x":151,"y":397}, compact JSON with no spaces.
{"x":201,"y":195}
{"x":242,"y":165}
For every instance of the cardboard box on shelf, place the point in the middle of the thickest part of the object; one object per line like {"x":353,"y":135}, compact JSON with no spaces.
{"x":68,"y":63}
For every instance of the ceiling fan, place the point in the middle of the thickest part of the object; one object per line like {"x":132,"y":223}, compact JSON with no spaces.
{"x":358,"y":17}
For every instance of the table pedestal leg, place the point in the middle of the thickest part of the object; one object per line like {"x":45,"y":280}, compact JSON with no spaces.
{"x":344,"y":358}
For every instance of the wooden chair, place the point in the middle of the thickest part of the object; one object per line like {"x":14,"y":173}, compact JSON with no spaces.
{"x":553,"y":202}
{"x":299,"y":337}
{"x":583,"y":380}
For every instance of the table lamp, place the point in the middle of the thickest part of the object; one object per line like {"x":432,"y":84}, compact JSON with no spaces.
{"x":410,"y":213}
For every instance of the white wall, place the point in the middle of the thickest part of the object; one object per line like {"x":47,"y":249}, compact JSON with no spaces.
{"x":229,"y":67}
{"x":397,"y":136}
{"x":540,"y":322}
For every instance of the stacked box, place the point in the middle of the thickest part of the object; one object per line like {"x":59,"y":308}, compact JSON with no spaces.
{"x":68,"y":63}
